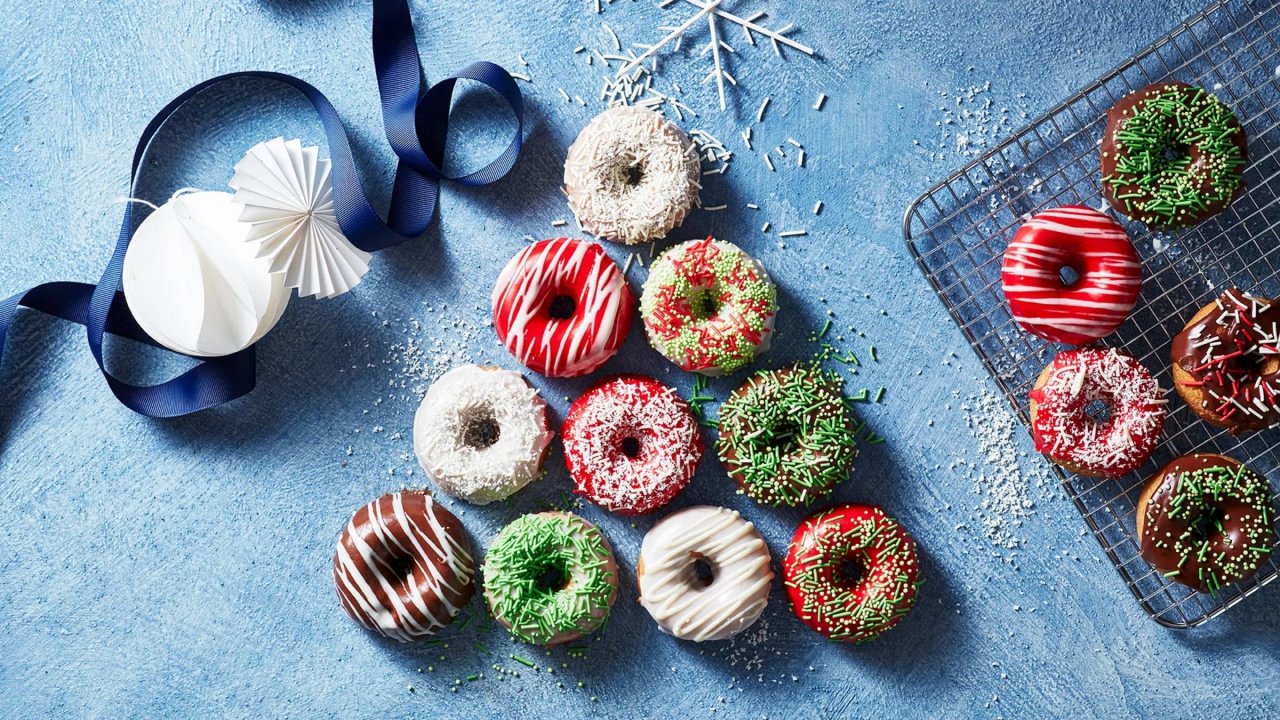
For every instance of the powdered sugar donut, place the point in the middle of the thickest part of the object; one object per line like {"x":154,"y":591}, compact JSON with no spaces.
{"x":708,"y":306}
{"x":1094,"y":247}
{"x":482,"y":433}
{"x":562,"y":307}
{"x":631,"y":444}
{"x":704,"y":573}
{"x":632,"y":175}
{"x":1063,"y":423}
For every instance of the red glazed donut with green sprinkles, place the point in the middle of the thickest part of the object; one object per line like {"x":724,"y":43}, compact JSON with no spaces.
{"x":550,"y":578}
{"x":826,"y":597}
{"x":708,"y":306}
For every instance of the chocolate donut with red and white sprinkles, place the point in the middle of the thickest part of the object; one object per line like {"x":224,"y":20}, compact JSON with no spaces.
{"x":404,"y":566}
{"x":631,"y":444}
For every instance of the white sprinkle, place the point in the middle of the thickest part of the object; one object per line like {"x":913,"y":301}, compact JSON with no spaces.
{"x":579,"y":49}
{"x":800,"y":158}
{"x":792,"y":233}
{"x":763,"y":106}
{"x":564,"y":94}
{"x":752,"y":206}
{"x":746,"y":137}
{"x":765,"y":227}
{"x":817,"y":104}
{"x":795,"y":142}
{"x":617,"y":44}
{"x":520,"y":59}
{"x":630,"y":259}
{"x":817,"y":207}
{"x":521,"y":76}
{"x":768,"y":161}
{"x":559,"y":223}
{"x":713,"y":208}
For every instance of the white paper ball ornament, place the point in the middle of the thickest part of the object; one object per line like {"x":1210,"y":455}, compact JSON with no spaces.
{"x":193,"y":282}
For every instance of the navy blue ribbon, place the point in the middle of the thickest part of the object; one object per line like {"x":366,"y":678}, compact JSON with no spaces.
{"x":417,"y":127}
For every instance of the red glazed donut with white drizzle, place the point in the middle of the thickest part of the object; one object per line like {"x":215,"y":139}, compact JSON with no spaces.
{"x":1065,"y":428}
{"x":562,"y":307}
{"x":631,"y":444}
{"x":1090,"y":244}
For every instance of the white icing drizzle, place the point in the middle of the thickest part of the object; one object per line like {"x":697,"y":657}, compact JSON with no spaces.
{"x":537,"y":275}
{"x":418,"y":602}
{"x":616,"y":143}
{"x":738,"y":556}
{"x":472,"y":394}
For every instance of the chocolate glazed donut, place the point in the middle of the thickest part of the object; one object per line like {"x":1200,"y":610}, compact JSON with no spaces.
{"x":1205,"y":521}
{"x":403,"y":566}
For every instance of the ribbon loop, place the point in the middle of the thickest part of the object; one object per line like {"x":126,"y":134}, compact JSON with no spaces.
{"x":416,"y":124}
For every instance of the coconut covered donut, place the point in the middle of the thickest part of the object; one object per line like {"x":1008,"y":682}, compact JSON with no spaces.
{"x":482,"y":433}
{"x":632,"y":175}
{"x":704,"y":573}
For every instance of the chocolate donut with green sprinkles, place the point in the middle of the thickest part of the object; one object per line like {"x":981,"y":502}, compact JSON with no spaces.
{"x":550,"y":578}
{"x":1172,"y":155}
{"x":786,"y":436}
{"x":852,"y":572}
{"x":1206,"y":520}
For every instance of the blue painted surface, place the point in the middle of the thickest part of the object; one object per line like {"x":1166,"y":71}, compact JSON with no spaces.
{"x":180,"y":568}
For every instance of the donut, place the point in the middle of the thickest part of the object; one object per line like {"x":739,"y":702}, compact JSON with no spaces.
{"x":1172,"y":155}
{"x":1206,"y":521}
{"x":1096,"y":250}
{"x":704,"y":574}
{"x":550,"y":578}
{"x":851,"y":572}
{"x":482,"y":433}
{"x":562,"y":307}
{"x":786,"y":436}
{"x":1226,"y":362}
{"x":631,"y":444}
{"x":1096,"y":412}
{"x":403,"y":566}
{"x":632,"y":175}
{"x":708,"y":306}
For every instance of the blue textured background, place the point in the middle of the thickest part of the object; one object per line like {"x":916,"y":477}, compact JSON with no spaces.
{"x":181,"y":568}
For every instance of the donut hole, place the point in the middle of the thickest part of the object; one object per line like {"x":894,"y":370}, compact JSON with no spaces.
{"x":1069,"y":276}
{"x":630,"y":447}
{"x":1175,"y":152}
{"x":1208,"y":526}
{"x":481,"y":431}
{"x":400,"y":566}
{"x":784,"y":435}
{"x":633,"y":175}
{"x":562,"y":307}
{"x":551,"y":577}
{"x":702,"y":570}
{"x":707,"y":305}
{"x":850,"y":571}
{"x":1099,"y":411}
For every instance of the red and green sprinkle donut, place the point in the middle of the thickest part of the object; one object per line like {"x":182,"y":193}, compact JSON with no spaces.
{"x":708,"y":306}
{"x":786,"y":436}
{"x":825,"y":595}
{"x":550,"y":578}
{"x":1172,"y":155}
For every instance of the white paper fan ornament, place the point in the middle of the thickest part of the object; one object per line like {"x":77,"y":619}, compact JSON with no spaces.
{"x":194,"y":284}
{"x":288,"y":201}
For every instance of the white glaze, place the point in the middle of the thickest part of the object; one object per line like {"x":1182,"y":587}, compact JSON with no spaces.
{"x":459,"y":398}
{"x":670,"y":590}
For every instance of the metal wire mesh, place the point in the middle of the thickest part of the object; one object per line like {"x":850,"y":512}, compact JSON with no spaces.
{"x":959,"y":229}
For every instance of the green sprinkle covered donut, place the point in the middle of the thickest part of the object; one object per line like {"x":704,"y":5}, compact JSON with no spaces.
{"x":1172,"y":155}
{"x":787,"y":436}
{"x":550,"y":578}
{"x":708,"y":306}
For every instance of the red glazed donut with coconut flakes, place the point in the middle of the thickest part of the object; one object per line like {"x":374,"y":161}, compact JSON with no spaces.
{"x":631,"y":444}
{"x":1090,"y":244}
{"x":826,"y":597}
{"x":1066,"y":431}
{"x":562,"y":307}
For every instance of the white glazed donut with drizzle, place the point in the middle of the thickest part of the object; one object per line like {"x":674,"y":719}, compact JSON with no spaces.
{"x":704,"y":573}
{"x":482,"y":433}
{"x":562,"y":307}
{"x":632,"y":175}
{"x":404,"y":567}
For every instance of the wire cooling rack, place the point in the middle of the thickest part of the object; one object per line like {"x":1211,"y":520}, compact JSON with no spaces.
{"x":959,"y":229}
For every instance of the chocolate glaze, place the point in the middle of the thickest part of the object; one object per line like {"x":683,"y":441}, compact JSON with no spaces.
{"x":1110,"y":151}
{"x":1208,"y":522}
{"x":1228,"y":354}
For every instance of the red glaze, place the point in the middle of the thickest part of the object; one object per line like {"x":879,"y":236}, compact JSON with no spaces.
{"x":631,"y":444}
{"x":1063,"y":429}
{"x":825,"y":598}
{"x":1097,"y":249}
{"x":546,"y":275}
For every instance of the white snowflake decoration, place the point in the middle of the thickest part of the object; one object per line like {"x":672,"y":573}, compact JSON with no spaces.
{"x":287,"y":196}
{"x":712,"y":12}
